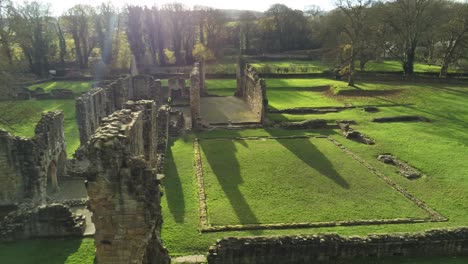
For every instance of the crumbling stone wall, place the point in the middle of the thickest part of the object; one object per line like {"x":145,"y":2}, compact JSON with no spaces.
{"x":123,"y":185}
{"x":202,"y":73}
{"x":29,"y":165}
{"x":195,"y":84}
{"x":51,"y":220}
{"x":100,"y":102}
{"x":332,"y":247}
{"x":252,"y":89}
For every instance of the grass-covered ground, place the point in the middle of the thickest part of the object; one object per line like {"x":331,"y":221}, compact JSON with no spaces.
{"x":305,"y":180}
{"x":396,"y":66}
{"x":437,"y":148}
{"x":50,"y":251}
{"x":316,"y":66}
{"x":78,"y":87}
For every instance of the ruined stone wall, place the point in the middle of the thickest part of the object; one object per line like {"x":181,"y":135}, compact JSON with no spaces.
{"x":123,"y":186}
{"x":195,"y":95}
{"x":100,"y":102}
{"x":29,"y":165}
{"x":51,"y":220}
{"x":202,"y":72}
{"x":252,"y":89}
{"x":313,"y":248}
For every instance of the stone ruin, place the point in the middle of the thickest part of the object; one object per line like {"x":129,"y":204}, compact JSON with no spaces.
{"x":403,"y":168}
{"x":50,"y":220}
{"x":333,"y":248}
{"x":177,"y":89}
{"x":100,"y":102}
{"x":30,"y":169}
{"x":352,"y":134}
{"x":127,"y":161}
{"x":195,"y":94}
{"x":252,"y":89}
{"x":31,"y":166}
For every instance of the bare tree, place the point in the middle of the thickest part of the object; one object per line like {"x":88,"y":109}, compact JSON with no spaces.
{"x":78,"y":23}
{"x":106,"y":24}
{"x":34,"y":31}
{"x":175,"y":16}
{"x":453,"y":34}
{"x":409,"y":20}
{"x":6,"y":30}
{"x":353,"y":27}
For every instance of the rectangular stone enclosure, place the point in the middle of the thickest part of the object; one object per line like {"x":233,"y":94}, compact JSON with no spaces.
{"x":292,"y":181}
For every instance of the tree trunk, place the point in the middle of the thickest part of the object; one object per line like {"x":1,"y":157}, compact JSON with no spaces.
{"x":444,"y":69}
{"x":408,"y":65}
{"x":351,"y":68}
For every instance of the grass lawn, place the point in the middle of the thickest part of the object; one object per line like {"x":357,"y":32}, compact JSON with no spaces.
{"x":50,"y":251}
{"x":396,"y":66}
{"x":437,"y":148}
{"x":78,"y":87}
{"x":305,"y":180}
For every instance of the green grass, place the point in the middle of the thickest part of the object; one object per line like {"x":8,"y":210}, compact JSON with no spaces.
{"x":315,"y":66}
{"x":50,"y":251}
{"x":290,"y":66}
{"x":437,"y":148}
{"x":77,"y":87}
{"x":396,"y":66}
{"x":305,"y":180}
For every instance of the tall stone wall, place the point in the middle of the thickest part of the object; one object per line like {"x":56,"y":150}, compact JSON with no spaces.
{"x":195,"y":84}
{"x":202,"y":73}
{"x":123,"y":186}
{"x":313,"y":248}
{"x":100,"y":102}
{"x":28,"y":166}
{"x":252,"y":89}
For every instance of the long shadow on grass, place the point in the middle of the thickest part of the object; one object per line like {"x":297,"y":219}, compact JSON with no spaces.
{"x":173,"y":189}
{"x":311,"y":155}
{"x":221,"y":156}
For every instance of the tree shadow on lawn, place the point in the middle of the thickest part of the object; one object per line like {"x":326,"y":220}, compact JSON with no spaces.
{"x":226,"y":167}
{"x":312,"y":157}
{"x":173,"y":188}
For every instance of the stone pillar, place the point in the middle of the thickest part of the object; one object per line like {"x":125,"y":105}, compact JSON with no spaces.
{"x":195,"y":96}
{"x":124,"y":192}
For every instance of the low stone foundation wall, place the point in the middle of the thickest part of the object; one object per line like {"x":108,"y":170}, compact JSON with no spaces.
{"x":332,"y":247}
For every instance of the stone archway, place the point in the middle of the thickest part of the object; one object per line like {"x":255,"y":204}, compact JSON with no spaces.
{"x":52,"y":181}
{"x":62,"y":164}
